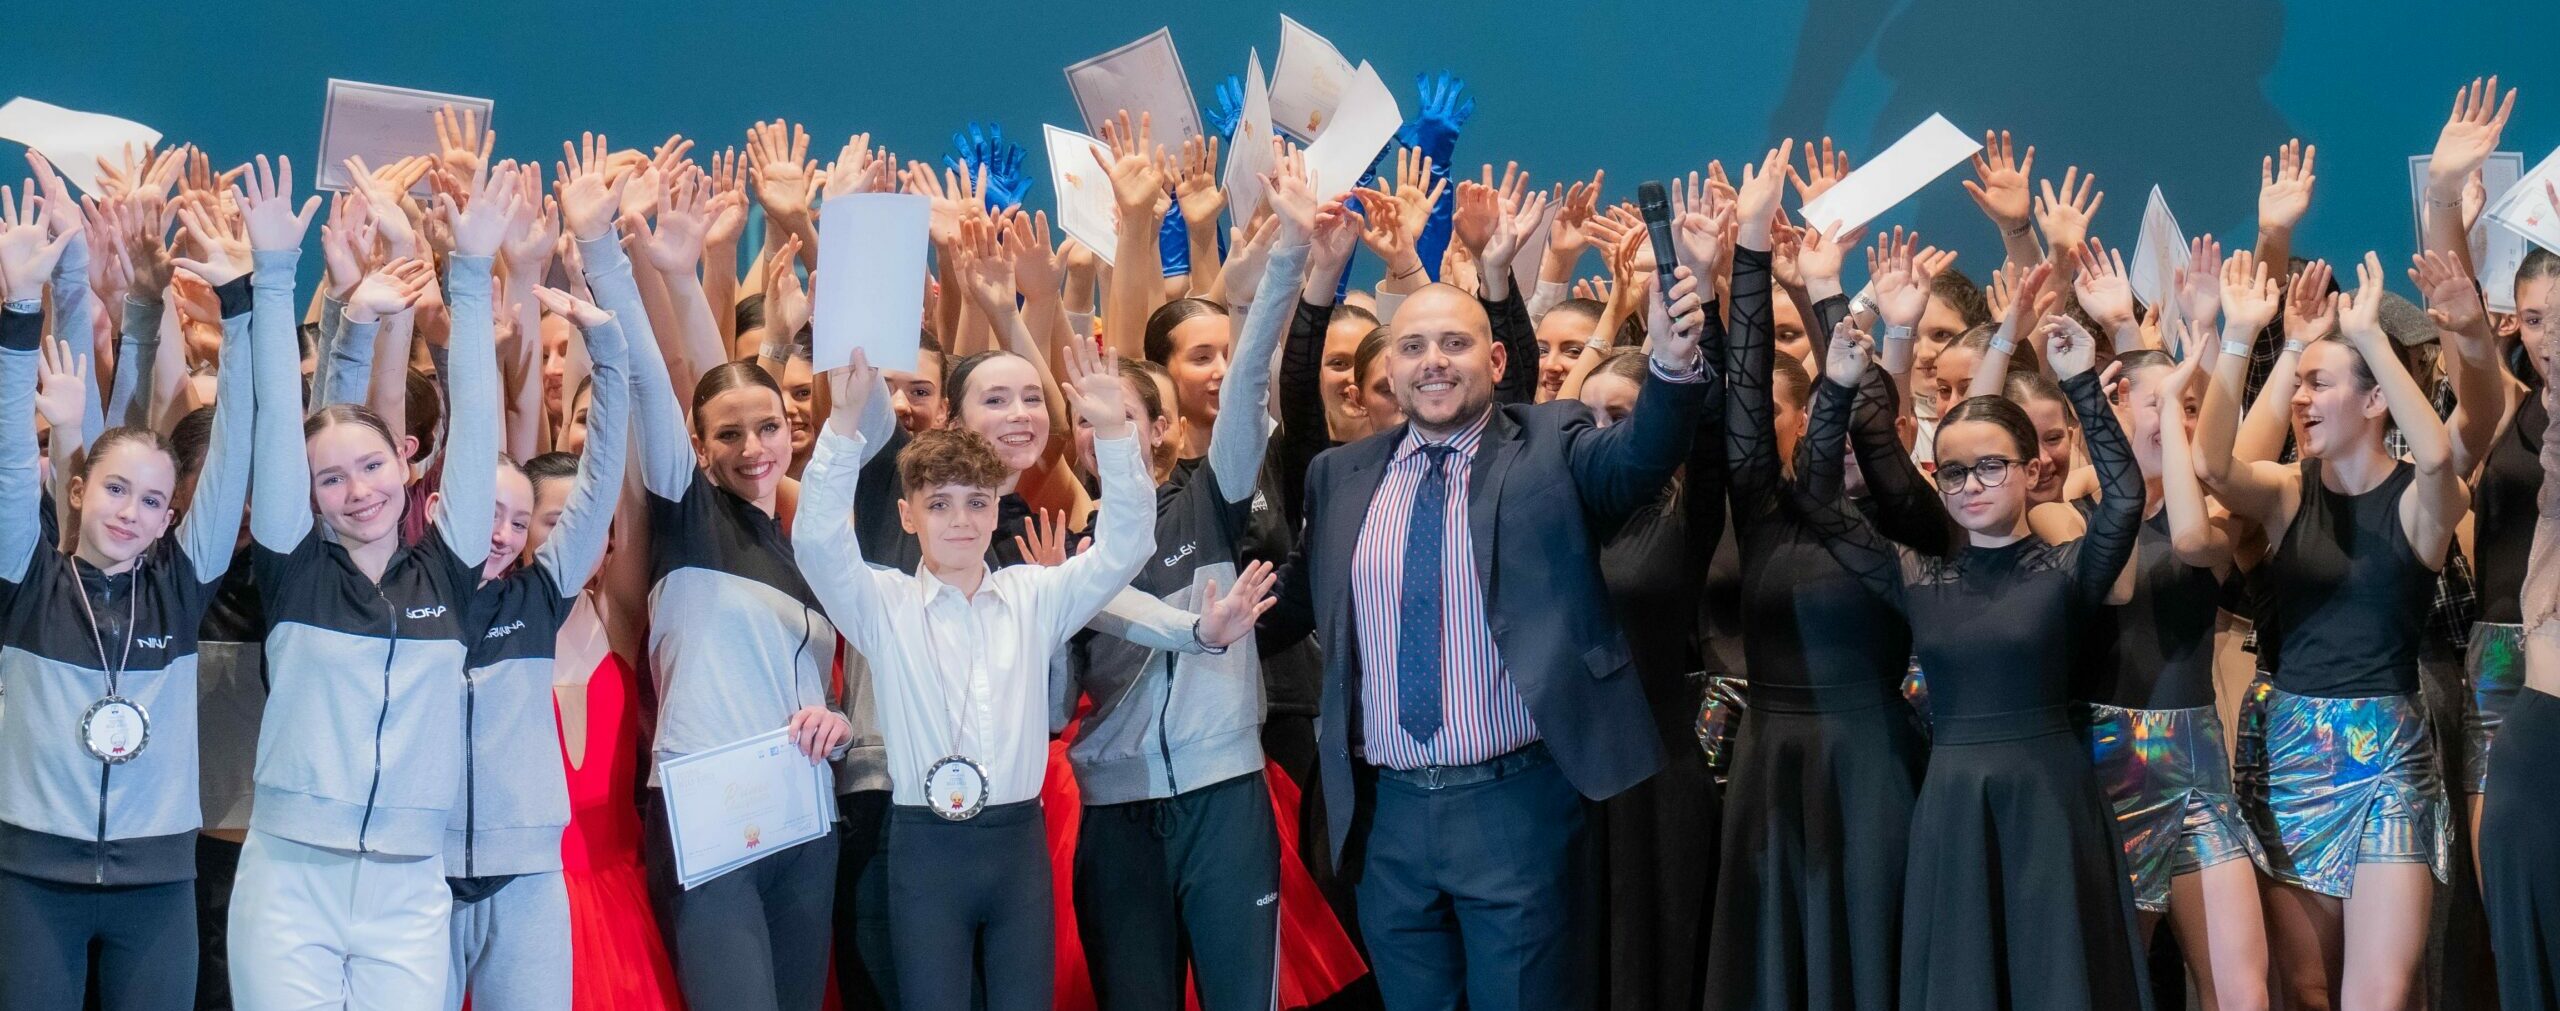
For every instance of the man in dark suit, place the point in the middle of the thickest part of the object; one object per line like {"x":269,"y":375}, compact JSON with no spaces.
{"x":1477,"y":688}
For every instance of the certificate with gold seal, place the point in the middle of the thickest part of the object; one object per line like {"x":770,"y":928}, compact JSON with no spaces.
{"x":738,"y":803}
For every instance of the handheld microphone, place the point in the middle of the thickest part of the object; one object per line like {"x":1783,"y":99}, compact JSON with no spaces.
{"x":1655,"y":205}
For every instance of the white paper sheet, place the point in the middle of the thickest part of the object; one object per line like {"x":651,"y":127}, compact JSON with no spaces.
{"x":1307,"y":83}
{"x":71,"y":139}
{"x":869,"y":289}
{"x":2526,"y":209}
{"x":1144,"y":76}
{"x":1893,"y":175}
{"x":2495,"y":252}
{"x":1086,"y":209}
{"x":1249,"y":149}
{"x":382,"y":123}
{"x":742,"y":802}
{"x":1362,"y":125}
{"x":2157,"y":254}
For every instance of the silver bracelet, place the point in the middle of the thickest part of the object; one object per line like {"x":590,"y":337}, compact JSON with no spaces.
{"x":1205,"y":648}
{"x":2235,"y":347}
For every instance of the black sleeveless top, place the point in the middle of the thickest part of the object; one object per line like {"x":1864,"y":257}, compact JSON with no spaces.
{"x":2504,"y":511}
{"x":2163,"y":646}
{"x":2347,"y":593}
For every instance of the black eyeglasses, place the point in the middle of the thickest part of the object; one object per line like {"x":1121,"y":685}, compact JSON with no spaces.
{"x":1993,"y":470}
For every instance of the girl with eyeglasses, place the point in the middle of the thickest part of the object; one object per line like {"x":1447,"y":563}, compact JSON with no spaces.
{"x":2013,"y":883}
{"x":2353,"y":816}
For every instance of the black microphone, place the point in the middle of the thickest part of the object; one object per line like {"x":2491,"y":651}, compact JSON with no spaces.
{"x":1655,"y":205}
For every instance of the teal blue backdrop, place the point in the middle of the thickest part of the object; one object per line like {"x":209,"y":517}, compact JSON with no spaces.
{"x":2187,"y":94}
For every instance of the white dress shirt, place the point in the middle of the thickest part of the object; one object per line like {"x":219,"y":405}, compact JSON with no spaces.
{"x":966,"y":675}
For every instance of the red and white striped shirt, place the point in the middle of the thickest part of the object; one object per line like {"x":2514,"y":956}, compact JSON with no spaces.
{"x":1482,"y":714}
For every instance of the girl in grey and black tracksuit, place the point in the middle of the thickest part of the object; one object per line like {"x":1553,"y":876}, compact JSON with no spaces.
{"x":341,"y":884}
{"x":1179,"y":850}
{"x":100,"y":848}
{"x":502,"y":848}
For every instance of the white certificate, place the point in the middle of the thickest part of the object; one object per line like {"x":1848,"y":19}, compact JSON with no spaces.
{"x":739,"y":803}
{"x":2158,"y":252}
{"x":1892,"y":176}
{"x":2526,"y":210}
{"x":73,"y":140}
{"x":869,"y":288}
{"x":1086,"y":209}
{"x":1307,"y":82}
{"x":383,"y":124}
{"x":1249,"y":150}
{"x":1142,"y":77}
{"x":2495,"y":252}
{"x":1361,"y":127}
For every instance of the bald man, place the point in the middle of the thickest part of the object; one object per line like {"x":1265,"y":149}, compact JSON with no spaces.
{"x":1477,"y":688}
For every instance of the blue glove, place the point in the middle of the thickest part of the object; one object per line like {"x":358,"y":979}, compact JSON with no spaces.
{"x":985,"y":146}
{"x":1173,"y":243}
{"x":1230,"y":108}
{"x":1445,"y":111}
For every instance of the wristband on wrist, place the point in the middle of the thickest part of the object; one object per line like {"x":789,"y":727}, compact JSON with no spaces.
{"x":1204,"y":643}
{"x":2235,"y":347}
{"x":2003,"y":345}
{"x":2021,"y":229}
{"x":2294,"y":347}
{"x":1892,"y":332}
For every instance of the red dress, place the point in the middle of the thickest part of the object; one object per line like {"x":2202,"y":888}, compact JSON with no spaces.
{"x":621,"y":962}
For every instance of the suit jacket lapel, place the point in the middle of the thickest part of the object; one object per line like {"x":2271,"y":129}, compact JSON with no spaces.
{"x":1484,"y":490}
{"x":1354,"y":491}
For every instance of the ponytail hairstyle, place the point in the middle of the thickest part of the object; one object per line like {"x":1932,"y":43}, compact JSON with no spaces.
{"x":1142,"y":375}
{"x":955,"y":379}
{"x":1999,"y":411}
{"x":130,"y":434}
{"x":1786,"y":373}
{"x":1371,"y":347}
{"x":723,"y":378}
{"x":333,"y":415}
{"x":1158,"y":343}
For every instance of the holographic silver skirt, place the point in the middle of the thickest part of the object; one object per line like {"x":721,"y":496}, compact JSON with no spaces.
{"x":2494,"y":665}
{"x":2169,"y":784}
{"x":2347,"y":782}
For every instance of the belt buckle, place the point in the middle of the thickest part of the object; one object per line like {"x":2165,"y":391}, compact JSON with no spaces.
{"x":1431,"y":776}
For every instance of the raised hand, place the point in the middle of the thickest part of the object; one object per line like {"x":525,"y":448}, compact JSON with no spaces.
{"x":590,"y":193}
{"x":570,"y":307}
{"x":2067,"y":347}
{"x":2311,"y":310}
{"x":1757,"y":199}
{"x":1479,"y":206}
{"x":495,"y":208}
{"x":381,"y":193}
{"x":1385,"y":226}
{"x":2197,"y":287}
{"x":1851,"y":351}
{"x":393,"y":288}
{"x":220,"y":240}
{"x":1229,"y":616}
{"x":1820,"y":253}
{"x":62,"y":387}
{"x":2470,"y":134}
{"x":778,"y":154}
{"x":1701,"y":225}
{"x":675,"y":245}
{"x":2251,"y":296}
{"x":1445,"y":110}
{"x":1047,"y":543}
{"x":850,"y":390}
{"x":1901,"y":289}
{"x":1195,"y":183}
{"x":194,"y":300}
{"x":140,"y":172}
{"x":1822,"y":171}
{"x":1999,"y":183}
{"x":267,"y":207}
{"x":1222,"y":118}
{"x":861,"y":168}
{"x":2284,"y":187}
{"x":1566,"y":239}
{"x":30,"y":242}
{"x":1093,"y":379}
{"x":983,"y":151}
{"x":462,"y":142}
{"x":1287,"y":192}
{"x":949,"y":208}
{"x":1035,"y":259}
{"x":2064,"y":216}
{"x":2102,"y":285}
{"x":2360,"y":311}
{"x":2453,"y":298}
{"x":1521,"y":215}
{"x":1138,"y":183}
{"x":535,"y":231}
{"x":786,"y":300}
{"x":1416,"y":191}
{"x":985,"y":267}
{"x":1337,"y":231}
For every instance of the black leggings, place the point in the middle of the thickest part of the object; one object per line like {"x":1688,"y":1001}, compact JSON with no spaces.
{"x":146,"y":936}
{"x":1187,"y":881}
{"x":754,"y":939}
{"x":966,"y":894}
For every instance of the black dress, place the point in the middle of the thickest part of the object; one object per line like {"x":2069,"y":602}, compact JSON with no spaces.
{"x":2014,"y":893}
{"x":1809,"y":889}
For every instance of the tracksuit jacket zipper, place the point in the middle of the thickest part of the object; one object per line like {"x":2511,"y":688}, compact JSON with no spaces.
{"x":390,"y":652}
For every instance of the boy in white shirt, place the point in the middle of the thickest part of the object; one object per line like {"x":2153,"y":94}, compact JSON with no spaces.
{"x":959,"y":670}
